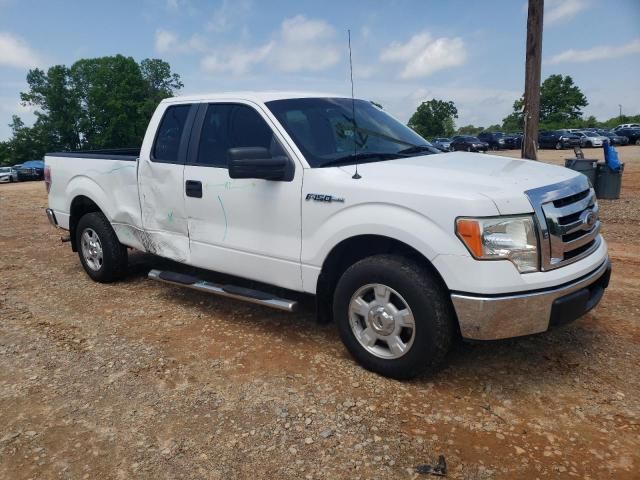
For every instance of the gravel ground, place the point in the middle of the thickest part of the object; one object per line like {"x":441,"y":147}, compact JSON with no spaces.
{"x":144,"y":380}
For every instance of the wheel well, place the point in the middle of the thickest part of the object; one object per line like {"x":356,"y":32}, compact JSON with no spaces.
{"x":80,"y":206}
{"x":352,"y":250}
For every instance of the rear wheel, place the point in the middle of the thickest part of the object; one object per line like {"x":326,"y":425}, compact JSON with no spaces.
{"x":393,"y":316}
{"x":103,"y":257}
{"x":638,"y":141}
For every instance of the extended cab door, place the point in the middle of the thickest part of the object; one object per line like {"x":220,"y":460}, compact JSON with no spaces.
{"x":245,"y":227}
{"x":161,"y":183}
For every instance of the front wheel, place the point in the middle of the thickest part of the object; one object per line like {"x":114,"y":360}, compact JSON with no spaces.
{"x":393,"y":316}
{"x":558,"y":146}
{"x":468,"y":149}
{"x":102,"y":255}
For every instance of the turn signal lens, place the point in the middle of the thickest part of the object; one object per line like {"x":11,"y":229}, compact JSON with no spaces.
{"x":469,"y":232}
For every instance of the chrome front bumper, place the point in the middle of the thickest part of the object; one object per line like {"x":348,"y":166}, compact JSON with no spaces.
{"x":492,"y":317}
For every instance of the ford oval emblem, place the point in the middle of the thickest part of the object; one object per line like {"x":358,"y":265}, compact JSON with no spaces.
{"x":588,"y":219}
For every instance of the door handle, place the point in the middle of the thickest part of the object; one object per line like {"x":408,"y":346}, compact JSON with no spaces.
{"x":193,"y":188}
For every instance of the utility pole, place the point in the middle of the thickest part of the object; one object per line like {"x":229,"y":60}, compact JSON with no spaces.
{"x":533,"y":66}
{"x":620,"y":112}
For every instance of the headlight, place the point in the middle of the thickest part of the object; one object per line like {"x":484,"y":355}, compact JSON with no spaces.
{"x":509,"y":238}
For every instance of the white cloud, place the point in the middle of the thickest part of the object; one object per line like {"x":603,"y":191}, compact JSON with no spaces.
{"x":304,"y":45}
{"x":14,"y":52}
{"x":235,"y":60}
{"x":423,"y":55}
{"x":226,"y":16}
{"x":562,"y":10}
{"x":165,"y":41}
{"x":602,"y":52}
{"x":168,"y":42}
{"x":299,"y":45}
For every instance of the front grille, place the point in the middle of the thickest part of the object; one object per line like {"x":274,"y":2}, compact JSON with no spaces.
{"x":567,"y":215}
{"x":570,"y":199}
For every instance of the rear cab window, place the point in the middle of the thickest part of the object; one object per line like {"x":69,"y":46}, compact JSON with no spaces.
{"x":169,"y":136}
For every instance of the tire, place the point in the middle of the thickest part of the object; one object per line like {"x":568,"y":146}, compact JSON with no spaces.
{"x":423,"y":346}
{"x":105,"y":259}
{"x":468,"y":149}
{"x":588,"y":144}
{"x":637,"y":141}
{"x":558,"y":146}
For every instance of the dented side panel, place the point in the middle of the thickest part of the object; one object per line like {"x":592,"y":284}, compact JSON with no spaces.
{"x":164,"y":221}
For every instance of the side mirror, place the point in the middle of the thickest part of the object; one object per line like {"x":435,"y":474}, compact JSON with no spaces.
{"x":257,"y":162}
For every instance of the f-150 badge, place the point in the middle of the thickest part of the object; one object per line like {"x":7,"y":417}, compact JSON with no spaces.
{"x":319,"y":197}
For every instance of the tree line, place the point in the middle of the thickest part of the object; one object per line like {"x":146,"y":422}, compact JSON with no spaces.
{"x":561,"y":104}
{"x":107,"y":102}
{"x":95,"y":103}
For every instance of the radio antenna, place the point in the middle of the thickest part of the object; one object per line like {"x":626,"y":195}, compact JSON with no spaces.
{"x":356,"y":176}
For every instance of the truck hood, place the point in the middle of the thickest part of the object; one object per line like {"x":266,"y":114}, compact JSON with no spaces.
{"x":502,"y":179}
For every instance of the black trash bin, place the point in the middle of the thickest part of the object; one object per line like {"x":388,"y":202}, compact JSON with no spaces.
{"x":586,"y":166}
{"x":608,"y":182}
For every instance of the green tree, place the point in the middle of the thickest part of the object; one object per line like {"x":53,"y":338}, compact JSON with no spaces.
{"x":561,"y":103}
{"x":59,"y":113}
{"x":561,"y":100}
{"x":469,"y":130}
{"x":5,"y":154}
{"x":434,"y":118}
{"x":101,"y":102}
{"x":514,"y":122}
{"x":27,"y":143}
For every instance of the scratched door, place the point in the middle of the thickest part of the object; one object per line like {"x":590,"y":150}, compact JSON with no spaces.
{"x":161,"y":185}
{"x":247,"y":227}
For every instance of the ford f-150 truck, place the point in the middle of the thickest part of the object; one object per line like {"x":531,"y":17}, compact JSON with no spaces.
{"x":404,"y":247}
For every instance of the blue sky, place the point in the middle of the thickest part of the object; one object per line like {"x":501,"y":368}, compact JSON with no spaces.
{"x":404,"y":52}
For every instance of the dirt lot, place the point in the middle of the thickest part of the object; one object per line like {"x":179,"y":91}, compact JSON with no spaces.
{"x":143,"y":380}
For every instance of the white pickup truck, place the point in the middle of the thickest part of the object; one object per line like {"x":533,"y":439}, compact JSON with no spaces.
{"x":404,"y":247}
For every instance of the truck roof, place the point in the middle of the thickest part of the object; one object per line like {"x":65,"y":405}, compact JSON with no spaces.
{"x":260,"y":97}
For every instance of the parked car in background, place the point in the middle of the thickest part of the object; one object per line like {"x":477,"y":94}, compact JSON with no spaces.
{"x":590,"y":139}
{"x":8,"y":175}
{"x":517,"y":140}
{"x":558,"y":139}
{"x":627,"y":125}
{"x":468,"y":143}
{"x":442,"y":144}
{"x":614,"y":138}
{"x":495,"y":140}
{"x":31,"y":170}
{"x":633,"y":134}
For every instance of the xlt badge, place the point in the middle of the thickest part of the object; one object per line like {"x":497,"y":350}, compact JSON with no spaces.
{"x":320,"y":197}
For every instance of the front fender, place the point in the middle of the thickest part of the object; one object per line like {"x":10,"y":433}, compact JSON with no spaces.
{"x":400,"y":223}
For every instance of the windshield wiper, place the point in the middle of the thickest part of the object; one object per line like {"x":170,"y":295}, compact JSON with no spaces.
{"x":416,"y":149}
{"x":359,"y":157}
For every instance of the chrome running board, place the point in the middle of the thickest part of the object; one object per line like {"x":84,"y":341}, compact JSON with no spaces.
{"x":230,"y":291}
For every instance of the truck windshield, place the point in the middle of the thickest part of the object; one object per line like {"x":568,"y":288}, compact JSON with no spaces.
{"x":325,"y":131}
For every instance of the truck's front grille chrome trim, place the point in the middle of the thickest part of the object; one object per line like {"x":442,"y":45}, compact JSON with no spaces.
{"x":567,"y":216}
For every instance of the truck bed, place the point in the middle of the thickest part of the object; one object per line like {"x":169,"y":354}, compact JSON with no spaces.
{"x":106,"y":177}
